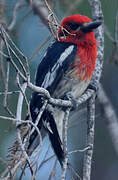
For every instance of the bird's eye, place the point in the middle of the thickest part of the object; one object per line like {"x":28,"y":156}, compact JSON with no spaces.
{"x":73,"y":26}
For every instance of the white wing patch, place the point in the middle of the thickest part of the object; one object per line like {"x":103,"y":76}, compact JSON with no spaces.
{"x":65,"y":54}
{"x":50,"y":76}
{"x":45,"y":83}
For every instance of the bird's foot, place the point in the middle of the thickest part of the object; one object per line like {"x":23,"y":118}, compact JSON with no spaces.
{"x":74,"y":101}
{"x":93,"y":87}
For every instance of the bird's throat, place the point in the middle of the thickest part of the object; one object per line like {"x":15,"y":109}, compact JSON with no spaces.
{"x":86,"y":61}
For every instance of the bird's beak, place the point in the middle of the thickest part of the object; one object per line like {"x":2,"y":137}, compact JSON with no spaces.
{"x":88,"y":27}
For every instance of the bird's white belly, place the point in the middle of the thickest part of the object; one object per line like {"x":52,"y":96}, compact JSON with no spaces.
{"x":75,"y":86}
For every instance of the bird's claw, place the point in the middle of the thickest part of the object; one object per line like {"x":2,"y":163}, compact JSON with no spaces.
{"x":73,"y":100}
{"x":93,"y":87}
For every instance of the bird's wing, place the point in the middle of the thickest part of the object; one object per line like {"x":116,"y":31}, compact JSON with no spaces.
{"x":55,"y":63}
{"x":50,"y":71}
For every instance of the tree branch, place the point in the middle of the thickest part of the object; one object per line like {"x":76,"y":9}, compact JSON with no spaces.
{"x":90,"y":138}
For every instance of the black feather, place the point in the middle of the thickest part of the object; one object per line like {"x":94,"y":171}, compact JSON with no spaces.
{"x":54,"y":137}
{"x":52,"y":68}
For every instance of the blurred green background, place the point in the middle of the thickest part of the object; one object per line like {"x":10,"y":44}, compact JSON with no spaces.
{"x":29,"y":33}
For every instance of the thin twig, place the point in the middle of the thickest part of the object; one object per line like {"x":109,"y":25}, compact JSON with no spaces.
{"x":9,"y":92}
{"x":74,"y":172}
{"x":45,"y":161}
{"x":20,"y":102}
{"x":3,"y":54}
{"x":6,"y":90}
{"x":18,"y":116}
{"x":34,"y":172}
{"x":39,"y":116}
{"x":6,"y":85}
{"x":2,"y":69}
{"x":12,"y":51}
{"x":22,"y":160}
{"x":44,"y":157}
{"x":14,"y":17}
{"x":20,"y":87}
{"x":9,"y":54}
{"x":17,"y":49}
{"x":108,"y":33}
{"x":79,"y":150}
{"x":39,"y":48}
{"x":53,"y":171}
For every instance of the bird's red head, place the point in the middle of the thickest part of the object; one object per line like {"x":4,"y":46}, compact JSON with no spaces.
{"x":78,"y":29}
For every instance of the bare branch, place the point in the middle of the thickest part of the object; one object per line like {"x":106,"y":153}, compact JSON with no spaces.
{"x":13,"y":22}
{"x":41,"y":10}
{"x":6,"y":85}
{"x":7,"y":174}
{"x":65,"y":128}
{"x":90,"y":139}
{"x":9,"y":92}
{"x":39,"y":48}
{"x":39,"y":116}
{"x":79,"y":150}
{"x":20,"y":101}
{"x":73,"y":171}
{"x":53,"y":172}
{"x":97,"y":14}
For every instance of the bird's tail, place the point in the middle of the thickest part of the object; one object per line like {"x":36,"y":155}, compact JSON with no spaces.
{"x":54,"y":136}
{"x":48,"y":125}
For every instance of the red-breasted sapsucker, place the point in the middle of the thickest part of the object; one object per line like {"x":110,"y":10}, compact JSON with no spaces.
{"x":67,"y":66}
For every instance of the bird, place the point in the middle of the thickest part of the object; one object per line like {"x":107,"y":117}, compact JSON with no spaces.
{"x":67,"y":67}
